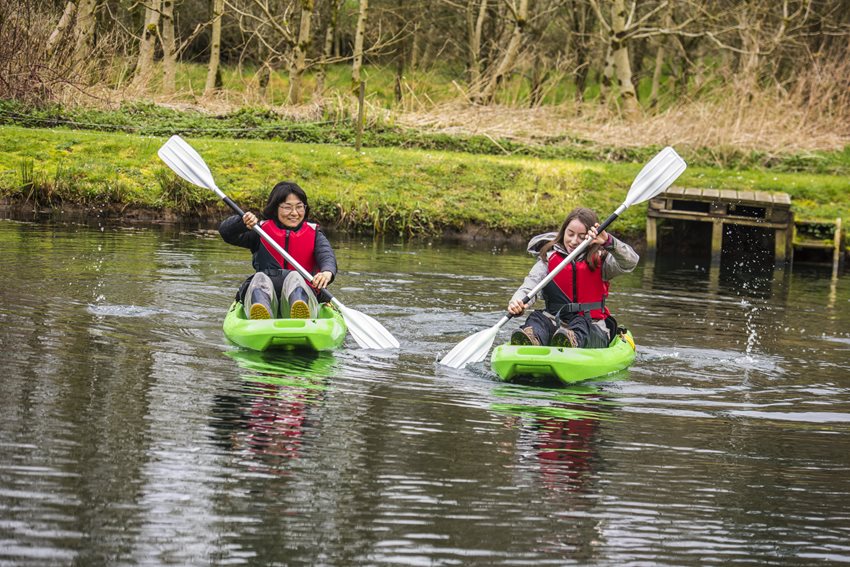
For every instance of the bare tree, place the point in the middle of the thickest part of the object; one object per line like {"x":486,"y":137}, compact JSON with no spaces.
{"x":519,"y":16}
{"x":84,"y":30}
{"x":299,"y":56}
{"x":169,"y":48}
{"x":358,"y":44}
{"x":330,"y":32}
{"x":213,"y":76}
{"x":147,"y":43}
{"x":476,"y":14}
{"x":61,"y":27}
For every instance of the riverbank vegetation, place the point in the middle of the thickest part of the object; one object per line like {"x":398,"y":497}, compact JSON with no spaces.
{"x":385,"y":190}
{"x":500,"y":108}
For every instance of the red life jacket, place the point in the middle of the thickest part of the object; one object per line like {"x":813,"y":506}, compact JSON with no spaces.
{"x":300,"y":244}
{"x":577,"y":276}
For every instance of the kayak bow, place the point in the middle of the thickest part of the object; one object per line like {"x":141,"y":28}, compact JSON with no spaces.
{"x":567,"y":364}
{"x":325,"y":332}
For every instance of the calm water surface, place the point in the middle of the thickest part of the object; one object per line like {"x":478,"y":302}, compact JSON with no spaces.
{"x":132,"y":433}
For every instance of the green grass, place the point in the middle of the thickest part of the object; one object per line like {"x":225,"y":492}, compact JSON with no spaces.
{"x":336,"y":128}
{"x":389,"y":190}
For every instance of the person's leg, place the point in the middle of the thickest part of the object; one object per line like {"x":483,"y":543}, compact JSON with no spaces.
{"x":297,"y":299}
{"x":580,"y":332}
{"x":260,"y":301}
{"x":536,"y":330}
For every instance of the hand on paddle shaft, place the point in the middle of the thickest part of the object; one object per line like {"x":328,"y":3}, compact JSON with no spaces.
{"x":517,"y":307}
{"x":319,"y":281}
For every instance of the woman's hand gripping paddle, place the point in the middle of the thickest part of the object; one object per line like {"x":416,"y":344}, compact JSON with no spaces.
{"x":655,"y":177}
{"x":188,"y":164}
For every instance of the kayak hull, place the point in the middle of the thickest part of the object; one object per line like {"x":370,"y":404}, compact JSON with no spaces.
{"x":569,"y":365}
{"x":325,"y":332}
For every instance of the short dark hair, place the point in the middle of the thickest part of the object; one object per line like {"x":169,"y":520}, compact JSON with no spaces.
{"x":279,"y":194}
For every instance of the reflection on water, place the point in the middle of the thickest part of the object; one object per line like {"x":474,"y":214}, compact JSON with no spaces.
{"x":558,"y":429}
{"x":268,"y":414}
{"x":132,"y":433}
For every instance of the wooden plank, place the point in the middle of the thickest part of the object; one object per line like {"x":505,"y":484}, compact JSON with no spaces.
{"x":729,"y":194}
{"x":782,"y":198}
{"x":711,"y":193}
{"x":763,"y":197}
{"x":693,"y":192}
{"x":675,"y":191}
{"x":746,"y":196}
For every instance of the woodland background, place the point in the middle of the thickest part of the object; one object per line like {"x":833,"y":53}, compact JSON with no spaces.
{"x":757,"y":89}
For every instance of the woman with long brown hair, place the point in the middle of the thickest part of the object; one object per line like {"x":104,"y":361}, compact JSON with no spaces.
{"x":575,"y":314}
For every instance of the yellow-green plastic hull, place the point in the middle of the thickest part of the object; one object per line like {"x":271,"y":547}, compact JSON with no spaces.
{"x":325,"y":332}
{"x":569,"y":365}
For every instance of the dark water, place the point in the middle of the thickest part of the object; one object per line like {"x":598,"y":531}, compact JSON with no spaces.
{"x":132,"y":433}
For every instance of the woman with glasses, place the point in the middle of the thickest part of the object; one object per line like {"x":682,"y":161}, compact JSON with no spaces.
{"x":277,"y":289}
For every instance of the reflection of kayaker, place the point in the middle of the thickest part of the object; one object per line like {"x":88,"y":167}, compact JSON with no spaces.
{"x":268,"y":414}
{"x":565,"y":450}
{"x":277,"y":289}
{"x":575,"y":314}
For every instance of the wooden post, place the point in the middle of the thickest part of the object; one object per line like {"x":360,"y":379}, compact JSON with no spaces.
{"x":836,"y":253}
{"x":361,"y":99}
{"x":780,"y":246}
{"x":716,"y":242}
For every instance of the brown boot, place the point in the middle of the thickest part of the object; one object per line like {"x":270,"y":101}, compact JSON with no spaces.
{"x":564,"y":338}
{"x":525,"y":337}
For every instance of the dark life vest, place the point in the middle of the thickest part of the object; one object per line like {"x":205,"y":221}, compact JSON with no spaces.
{"x":576,"y":289}
{"x":300,"y":244}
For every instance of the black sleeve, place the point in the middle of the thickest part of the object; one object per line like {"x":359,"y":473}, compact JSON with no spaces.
{"x":233,"y":231}
{"x":325,"y":257}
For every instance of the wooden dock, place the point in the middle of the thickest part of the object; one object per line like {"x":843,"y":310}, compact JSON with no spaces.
{"x":820,"y":236}
{"x":760,"y":209}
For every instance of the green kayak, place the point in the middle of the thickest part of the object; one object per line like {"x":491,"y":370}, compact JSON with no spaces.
{"x":567,"y":364}
{"x":325,"y":332}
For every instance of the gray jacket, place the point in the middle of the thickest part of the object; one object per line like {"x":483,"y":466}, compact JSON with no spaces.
{"x":621,"y":259}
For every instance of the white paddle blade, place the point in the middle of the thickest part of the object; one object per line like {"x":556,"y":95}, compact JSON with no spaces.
{"x":656,"y":176}
{"x":367,"y":332}
{"x":187,"y":163}
{"x":473,"y":348}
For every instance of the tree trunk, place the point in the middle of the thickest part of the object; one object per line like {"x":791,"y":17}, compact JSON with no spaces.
{"x":656,"y":74}
{"x":607,"y":78}
{"x":299,"y":57}
{"x":84,"y":31}
{"x":620,"y":58}
{"x":474,"y":29}
{"x":660,"y":54}
{"x":59,"y":31}
{"x":358,"y":45}
{"x":169,"y":50}
{"x":401,"y":56}
{"x":414,"y":48}
{"x":213,"y":77}
{"x":509,"y":57}
{"x":330,"y":33}
{"x":147,"y":44}
{"x":538,"y":78}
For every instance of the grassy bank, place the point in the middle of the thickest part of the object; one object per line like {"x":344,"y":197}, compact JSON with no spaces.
{"x":332,"y":124}
{"x":389,"y":190}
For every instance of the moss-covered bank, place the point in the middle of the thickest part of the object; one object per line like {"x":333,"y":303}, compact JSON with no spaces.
{"x":389,"y":190}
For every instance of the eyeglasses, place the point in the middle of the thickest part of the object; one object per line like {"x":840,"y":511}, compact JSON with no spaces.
{"x":287,"y":208}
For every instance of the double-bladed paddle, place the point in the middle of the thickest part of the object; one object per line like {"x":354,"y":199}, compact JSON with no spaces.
{"x":188,"y":164}
{"x":655,"y":177}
